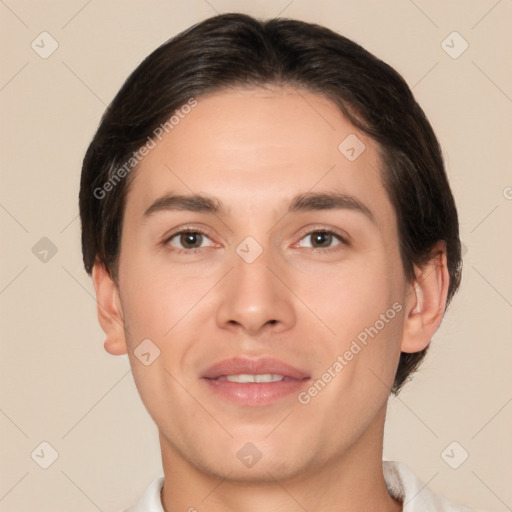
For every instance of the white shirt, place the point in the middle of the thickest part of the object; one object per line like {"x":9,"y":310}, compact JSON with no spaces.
{"x":401,"y":482}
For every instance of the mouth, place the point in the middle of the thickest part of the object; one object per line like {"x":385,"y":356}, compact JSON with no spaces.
{"x":253,"y":382}
{"x":245,"y":378}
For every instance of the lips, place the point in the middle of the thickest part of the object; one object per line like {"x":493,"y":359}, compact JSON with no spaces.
{"x":245,"y":366}
{"x":253,"y":382}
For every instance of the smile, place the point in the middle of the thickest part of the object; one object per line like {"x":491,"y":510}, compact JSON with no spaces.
{"x":245,"y":378}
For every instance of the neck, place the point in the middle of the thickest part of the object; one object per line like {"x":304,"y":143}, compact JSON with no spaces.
{"x":352,"y":482}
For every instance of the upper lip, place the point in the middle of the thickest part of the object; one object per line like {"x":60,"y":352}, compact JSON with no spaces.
{"x":242,"y":365}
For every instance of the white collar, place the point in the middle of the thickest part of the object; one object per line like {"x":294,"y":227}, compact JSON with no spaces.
{"x":401,"y":482}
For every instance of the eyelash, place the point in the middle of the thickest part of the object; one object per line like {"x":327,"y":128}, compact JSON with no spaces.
{"x":343,"y":239}
{"x":166,"y":242}
{"x":329,"y":231}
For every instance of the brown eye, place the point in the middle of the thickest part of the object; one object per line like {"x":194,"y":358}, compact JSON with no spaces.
{"x":320,"y":239}
{"x":189,"y":240}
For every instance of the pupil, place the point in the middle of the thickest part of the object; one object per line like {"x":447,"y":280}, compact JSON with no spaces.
{"x":191,"y":239}
{"x":322,"y":238}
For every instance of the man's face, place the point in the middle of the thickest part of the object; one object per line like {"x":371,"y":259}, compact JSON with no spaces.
{"x":296,"y":269}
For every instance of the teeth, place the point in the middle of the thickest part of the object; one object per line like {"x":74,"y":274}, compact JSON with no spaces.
{"x":245,"y":378}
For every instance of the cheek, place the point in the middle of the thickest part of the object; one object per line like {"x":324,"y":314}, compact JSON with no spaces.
{"x":157,"y":296}
{"x":349,"y":297}
{"x":360,"y":304}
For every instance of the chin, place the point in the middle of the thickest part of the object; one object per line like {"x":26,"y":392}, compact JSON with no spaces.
{"x":253,"y":461}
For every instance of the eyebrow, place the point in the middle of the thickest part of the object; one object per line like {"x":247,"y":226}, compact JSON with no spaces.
{"x":312,"y":201}
{"x":191,"y":203}
{"x":309,"y":201}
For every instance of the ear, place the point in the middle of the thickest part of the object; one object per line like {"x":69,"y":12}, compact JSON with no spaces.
{"x":426,"y":301}
{"x":110,"y":314}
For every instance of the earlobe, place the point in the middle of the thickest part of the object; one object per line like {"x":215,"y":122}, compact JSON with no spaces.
{"x":110,"y":314}
{"x":426,"y":302}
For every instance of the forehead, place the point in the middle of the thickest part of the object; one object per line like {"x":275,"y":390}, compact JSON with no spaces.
{"x":262,"y":145}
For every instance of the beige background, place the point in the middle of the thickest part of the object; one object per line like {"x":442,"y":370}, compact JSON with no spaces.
{"x":59,"y":385}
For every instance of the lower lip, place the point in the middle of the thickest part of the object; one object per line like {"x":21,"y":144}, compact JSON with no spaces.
{"x":254,"y":394}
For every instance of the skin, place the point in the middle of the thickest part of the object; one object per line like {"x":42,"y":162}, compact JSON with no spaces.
{"x":253,"y":150}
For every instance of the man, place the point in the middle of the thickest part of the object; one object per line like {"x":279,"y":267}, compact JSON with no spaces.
{"x":273,"y":242}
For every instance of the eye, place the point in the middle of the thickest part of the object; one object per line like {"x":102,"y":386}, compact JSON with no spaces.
{"x":320,"y":239}
{"x":189,"y":240}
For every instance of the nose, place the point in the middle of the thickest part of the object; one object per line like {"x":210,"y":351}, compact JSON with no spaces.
{"x":254,"y":299}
